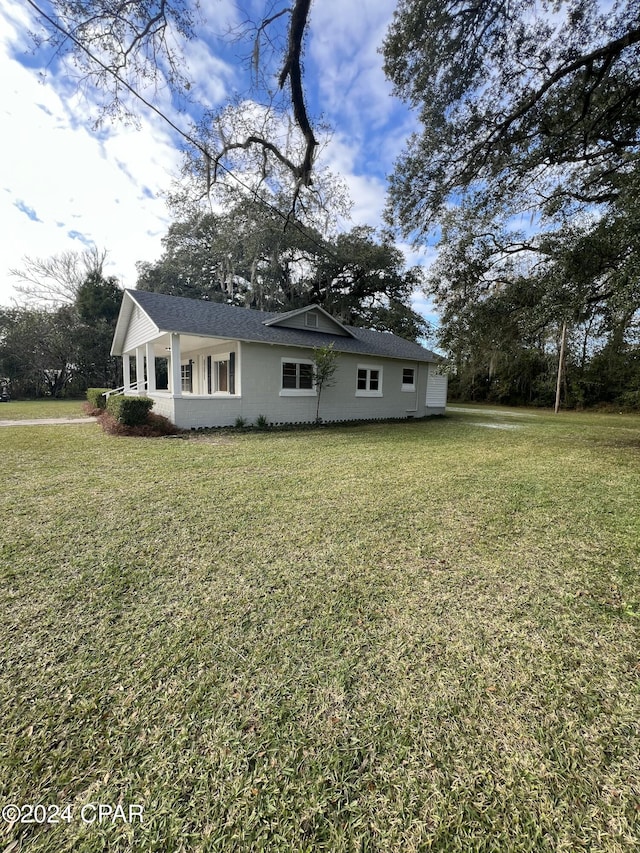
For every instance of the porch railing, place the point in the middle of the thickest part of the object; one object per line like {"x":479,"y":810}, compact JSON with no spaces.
{"x":134,"y":386}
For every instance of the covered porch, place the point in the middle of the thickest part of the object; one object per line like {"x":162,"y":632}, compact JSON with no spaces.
{"x":192,"y":380}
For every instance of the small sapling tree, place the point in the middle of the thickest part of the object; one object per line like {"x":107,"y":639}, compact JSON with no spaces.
{"x":325,"y":364}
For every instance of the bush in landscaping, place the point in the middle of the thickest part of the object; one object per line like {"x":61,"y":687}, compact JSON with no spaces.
{"x":96,"y":400}
{"x":130,"y":411}
{"x":155,"y":426}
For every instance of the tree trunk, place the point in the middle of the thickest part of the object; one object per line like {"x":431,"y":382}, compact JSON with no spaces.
{"x":560,"y":366}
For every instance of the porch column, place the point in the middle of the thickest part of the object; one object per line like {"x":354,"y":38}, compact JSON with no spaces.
{"x":151,"y":369}
{"x":176,"y":373}
{"x":140,"y":369}
{"x":126,"y":372}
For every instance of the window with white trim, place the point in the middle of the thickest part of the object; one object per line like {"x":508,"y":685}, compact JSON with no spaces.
{"x":408,"y":379}
{"x":186,"y":376}
{"x":297,"y":378}
{"x":368,"y":381}
{"x":220,"y":373}
{"x":311,"y":319}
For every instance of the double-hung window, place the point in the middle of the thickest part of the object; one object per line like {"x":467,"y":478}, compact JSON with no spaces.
{"x":368,"y":381}
{"x":408,"y":379}
{"x":297,"y":378}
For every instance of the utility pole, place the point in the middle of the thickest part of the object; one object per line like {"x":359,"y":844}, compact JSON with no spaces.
{"x":560,"y":366}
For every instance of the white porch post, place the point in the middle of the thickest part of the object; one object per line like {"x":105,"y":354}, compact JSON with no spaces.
{"x":126,"y":372}
{"x":140,"y":369}
{"x":151,"y":369}
{"x":176,"y":373}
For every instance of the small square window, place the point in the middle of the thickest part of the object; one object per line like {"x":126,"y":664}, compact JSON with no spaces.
{"x":311,"y":320}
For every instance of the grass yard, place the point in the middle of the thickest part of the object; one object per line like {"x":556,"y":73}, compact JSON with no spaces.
{"x":21,"y":410}
{"x":411,"y":637}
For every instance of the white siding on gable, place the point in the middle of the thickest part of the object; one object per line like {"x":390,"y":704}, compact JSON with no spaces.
{"x":139,"y":331}
{"x":436,"y":388}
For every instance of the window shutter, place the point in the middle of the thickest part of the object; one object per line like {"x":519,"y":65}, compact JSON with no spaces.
{"x":232,"y":373}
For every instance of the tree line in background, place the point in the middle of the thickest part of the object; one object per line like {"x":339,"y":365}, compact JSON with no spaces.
{"x":58,"y":343}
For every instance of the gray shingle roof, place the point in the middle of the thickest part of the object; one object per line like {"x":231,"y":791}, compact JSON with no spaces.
{"x":214,"y":319}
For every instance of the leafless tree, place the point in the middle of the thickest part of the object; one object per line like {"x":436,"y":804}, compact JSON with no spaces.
{"x":53,"y":282}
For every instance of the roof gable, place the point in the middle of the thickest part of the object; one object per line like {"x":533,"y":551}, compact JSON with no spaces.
{"x":311,"y":317}
{"x":134,"y":326}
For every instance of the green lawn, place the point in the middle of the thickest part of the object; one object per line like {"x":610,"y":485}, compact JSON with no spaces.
{"x":22,"y":410}
{"x":411,"y":637}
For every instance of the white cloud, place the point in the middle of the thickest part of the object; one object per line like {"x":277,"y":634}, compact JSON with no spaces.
{"x":64,"y":187}
{"x":367,"y":191}
{"x":214,"y":78}
{"x":219,"y":16}
{"x":356,"y":98}
{"x":344,"y":48}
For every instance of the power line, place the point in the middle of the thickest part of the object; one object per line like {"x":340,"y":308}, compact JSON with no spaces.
{"x":201,"y":148}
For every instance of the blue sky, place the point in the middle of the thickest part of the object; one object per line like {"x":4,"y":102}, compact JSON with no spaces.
{"x":66,"y":186}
